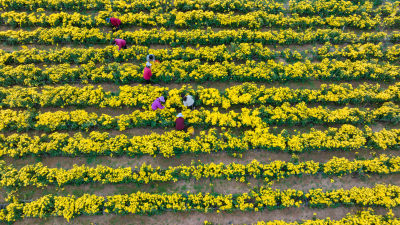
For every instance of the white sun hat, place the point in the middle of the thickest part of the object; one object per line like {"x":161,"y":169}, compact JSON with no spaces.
{"x":179,"y":115}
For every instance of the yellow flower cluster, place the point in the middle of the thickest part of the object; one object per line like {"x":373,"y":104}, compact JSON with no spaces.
{"x":218,"y":53}
{"x":108,"y":53}
{"x":304,"y":7}
{"x":81,"y":119}
{"x":142,"y":202}
{"x":56,"y":35}
{"x":194,"y":70}
{"x":360,"y":218}
{"x":355,"y":51}
{"x":231,"y":54}
{"x":229,"y":5}
{"x":301,"y":114}
{"x":190,"y":37}
{"x":256,"y":117}
{"x":244,"y":94}
{"x":14,"y":119}
{"x":174,"y":143}
{"x":40,"y":176}
{"x":194,"y":19}
{"x":38,"y":5}
{"x":340,"y":7}
{"x":377,"y":196}
{"x":65,"y":206}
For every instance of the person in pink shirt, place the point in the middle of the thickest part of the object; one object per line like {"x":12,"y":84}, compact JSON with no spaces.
{"x":157,"y":103}
{"x":147,"y":73}
{"x":120,"y":43}
{"x":114,"y":22}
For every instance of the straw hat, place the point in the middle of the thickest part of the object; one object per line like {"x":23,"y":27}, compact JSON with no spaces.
{"x":190,"y":130}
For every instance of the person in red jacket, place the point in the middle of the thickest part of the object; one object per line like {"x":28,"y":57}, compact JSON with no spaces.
{"x":120,"y":42}
{"x":180,"y":122}
{"x":147,"y":73}
{"x":114,"y":22}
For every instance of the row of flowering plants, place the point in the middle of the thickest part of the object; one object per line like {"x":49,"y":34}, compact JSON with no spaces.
{"x":196,"y":19}
{"x":218,"y":53}
{"x":41,"y":176}
{"x":361,"y":217}
{"x":79,"y":35}
{"x":179,"y":71}
{"x":172,"y":143}
{"x":42,"y":5}
{"x":246,"y":94}
{"x":303,"y":7}
{"x":262,"y":116}
{"x":146,"y":203}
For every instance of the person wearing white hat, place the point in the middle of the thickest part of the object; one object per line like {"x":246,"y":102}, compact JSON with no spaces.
{"x":147,"y":73}
{"x":150,"y":58}
{"x":180,"y":122}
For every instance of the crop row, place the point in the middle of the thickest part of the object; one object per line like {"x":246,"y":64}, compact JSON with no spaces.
{"x":173,"y":143}
{"x":196,"y":19}
{"x":245,"y":94}
{"x":361,"y":218}
{"x":146,"y":203}
{"x":262,"y":116}
{"x":41,"y":5}
{"x":181,"y":71}
{"x":41,"y":176}
{"x":303,"y":7}
{"x":219,"y":53}
{"x":108,"y":54}
{"x":77,"y":35}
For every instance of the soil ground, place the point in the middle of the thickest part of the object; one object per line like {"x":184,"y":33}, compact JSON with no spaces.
{"x":221,"y":186}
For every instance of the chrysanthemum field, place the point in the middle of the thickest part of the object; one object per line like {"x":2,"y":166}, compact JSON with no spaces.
{"x":296,"y":117}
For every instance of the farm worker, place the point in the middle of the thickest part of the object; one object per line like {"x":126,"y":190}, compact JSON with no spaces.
{"x":150,"y":57}
{"x":120,"y":42}
{"x":157,"y":103}
{"x":114,"y":22}
{"x":147,"y":72}
{"x":188,"y":101}
{"x":180,"y":122}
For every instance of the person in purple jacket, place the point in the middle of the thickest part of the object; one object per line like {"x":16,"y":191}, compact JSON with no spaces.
{"x":157,"y":103}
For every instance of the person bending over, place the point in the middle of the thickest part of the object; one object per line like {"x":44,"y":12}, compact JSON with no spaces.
{"x":121,"y":43}
{"x":115,"y":23}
